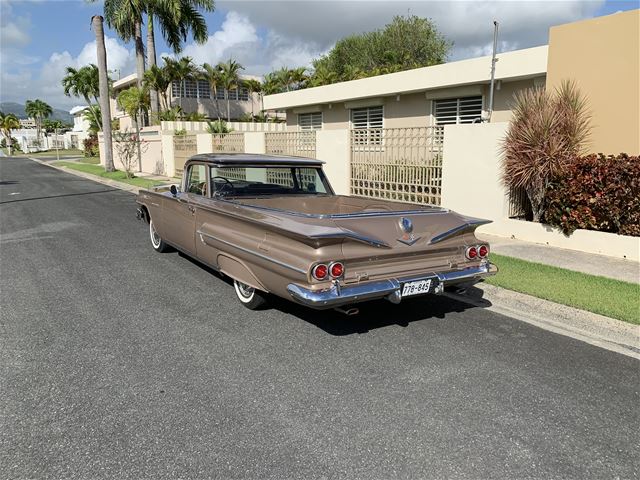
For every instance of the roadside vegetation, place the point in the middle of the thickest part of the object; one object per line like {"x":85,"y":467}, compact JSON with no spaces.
{"x":608,"y":297}
{"x":117,"y":175}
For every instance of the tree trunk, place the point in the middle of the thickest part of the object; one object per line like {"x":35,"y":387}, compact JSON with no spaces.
{"x":139,"y":51}
{"x":9,"y":143}
{"x":228,"y":108}
{"x":151,"y":57}
{"x":215,"y":94}
{"x":138,"y":141}
{"x":105,"y":107}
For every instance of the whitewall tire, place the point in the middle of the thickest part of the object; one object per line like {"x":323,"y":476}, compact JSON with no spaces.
{"x":248,"y":296}
{"x":156,"y":242}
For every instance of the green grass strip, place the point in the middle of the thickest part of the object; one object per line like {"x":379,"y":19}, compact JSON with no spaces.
{"x":605,"y":296}
{"x":118,"y":175}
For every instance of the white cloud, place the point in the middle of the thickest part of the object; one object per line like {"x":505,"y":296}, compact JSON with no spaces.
{"x":467,"y":23}
{"x":46,"y":83}
{"x":238,"y":38}
{"x":13,"y":29}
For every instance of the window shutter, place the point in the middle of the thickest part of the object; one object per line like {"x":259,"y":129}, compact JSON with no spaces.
{"x":310,"y":121}
{"x":458,"y":110}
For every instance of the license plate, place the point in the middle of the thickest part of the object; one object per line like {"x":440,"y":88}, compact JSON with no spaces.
{"x":419,"y":287}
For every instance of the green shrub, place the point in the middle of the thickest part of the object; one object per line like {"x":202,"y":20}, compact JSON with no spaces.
{"x":596,"y":192}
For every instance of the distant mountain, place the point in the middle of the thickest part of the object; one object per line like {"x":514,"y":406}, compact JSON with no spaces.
{"x":18,"y":110}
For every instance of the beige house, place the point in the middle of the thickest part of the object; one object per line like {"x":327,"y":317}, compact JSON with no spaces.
{"x":450,"y":93}
{"x":195,"y":96}
{"x":602,"y":55}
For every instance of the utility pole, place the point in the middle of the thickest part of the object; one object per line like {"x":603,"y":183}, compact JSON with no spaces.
{"x":105,"y":107}
{"x":493,"y":68}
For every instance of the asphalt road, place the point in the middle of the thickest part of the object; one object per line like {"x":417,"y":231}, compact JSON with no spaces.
{"x":119,"y":362}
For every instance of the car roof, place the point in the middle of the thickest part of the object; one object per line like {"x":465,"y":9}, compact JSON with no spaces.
{"x":253,"y":159}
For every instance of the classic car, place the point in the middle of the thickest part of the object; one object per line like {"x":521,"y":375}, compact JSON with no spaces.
{"x":274,"y":226}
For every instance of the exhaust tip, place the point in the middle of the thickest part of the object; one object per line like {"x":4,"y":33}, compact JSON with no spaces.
{"x":348,"y":311}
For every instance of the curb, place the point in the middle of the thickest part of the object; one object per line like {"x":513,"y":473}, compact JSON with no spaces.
{"x":88,"y":176}
{"x":598,"y":330}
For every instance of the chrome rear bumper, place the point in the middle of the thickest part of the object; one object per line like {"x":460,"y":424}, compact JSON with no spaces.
{"x":390,"y":289}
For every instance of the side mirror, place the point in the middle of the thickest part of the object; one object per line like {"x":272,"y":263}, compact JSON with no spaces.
{"x":173,"y":190}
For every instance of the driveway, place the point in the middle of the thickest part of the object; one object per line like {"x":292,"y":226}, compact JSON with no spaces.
{"x":119,"y":362}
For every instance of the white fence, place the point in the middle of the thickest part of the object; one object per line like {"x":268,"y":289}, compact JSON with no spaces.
{"x":201,"y":127}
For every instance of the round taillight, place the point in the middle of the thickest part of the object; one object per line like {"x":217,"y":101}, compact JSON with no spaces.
{"x":472,"y":253}
{"x":336,"y":270}
{"x":483,"y":251}
{"x":320,"y":271}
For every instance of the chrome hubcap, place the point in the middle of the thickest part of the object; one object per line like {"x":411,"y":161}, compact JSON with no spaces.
{"x":245,"y":290}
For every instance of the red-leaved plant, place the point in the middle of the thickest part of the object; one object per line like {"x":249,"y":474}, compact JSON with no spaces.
{"x":596,"y":193}
{"x":546,"y":133}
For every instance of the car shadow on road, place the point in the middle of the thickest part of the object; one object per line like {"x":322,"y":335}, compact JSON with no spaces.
{"x":380,"y":313}
{"x":372,"y":315}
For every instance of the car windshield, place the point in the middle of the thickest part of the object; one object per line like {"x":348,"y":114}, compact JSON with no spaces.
{"x":252,"y":181}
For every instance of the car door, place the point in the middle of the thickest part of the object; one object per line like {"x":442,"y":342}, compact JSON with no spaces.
{"x":180,"y":211}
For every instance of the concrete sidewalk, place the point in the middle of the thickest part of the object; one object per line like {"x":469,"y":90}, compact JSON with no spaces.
{"x":601,"y":265}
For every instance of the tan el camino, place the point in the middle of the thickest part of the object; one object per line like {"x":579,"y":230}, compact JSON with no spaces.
{"x":274,"y":226}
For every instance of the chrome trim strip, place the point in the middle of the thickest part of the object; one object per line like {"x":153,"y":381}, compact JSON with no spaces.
{"x":252,"y":252}
{"x":353,"y":236}
{"x":459,"y":229}
{"x":338,"y":216}
{"x":335,"y":297}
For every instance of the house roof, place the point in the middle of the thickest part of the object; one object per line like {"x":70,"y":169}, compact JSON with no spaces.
{"x":78,"y":109}
{"x":515,"y":65}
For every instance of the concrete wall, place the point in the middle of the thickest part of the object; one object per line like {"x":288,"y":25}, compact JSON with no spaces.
{"x":471,"y":186}
{"x":192,"y":127}
{"x":602,"y":55}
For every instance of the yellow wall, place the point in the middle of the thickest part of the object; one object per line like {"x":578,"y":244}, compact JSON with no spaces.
{"x":603,"y":56}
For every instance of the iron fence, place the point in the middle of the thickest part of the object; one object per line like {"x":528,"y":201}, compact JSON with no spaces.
{"x":184,"y":147}
{"x":519,"y":204}
{"x":401,"y":164}
{"x":302,"y":143}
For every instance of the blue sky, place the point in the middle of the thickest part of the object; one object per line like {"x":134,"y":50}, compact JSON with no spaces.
{"x":39,"y":38}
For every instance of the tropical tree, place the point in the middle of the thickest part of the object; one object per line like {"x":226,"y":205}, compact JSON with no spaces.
{"x":38,"y":110}
{"x":405,"y":43}
{"x":135,"y":102}
{"x":51,"y":126}
{"x":213,"y":75}
{"x":92,"y":115}
{"x":176,"y":18}
{"x":83,"y":82}
{"x":181,"y":70}
{"x":322,"y":76}
{"x":230,"y":80}
{"x":8,"y":122}
{"x":103,"y":84}
{"x":548,"y":130}
{"x":157,"y":79}
{"x":253,"y":86}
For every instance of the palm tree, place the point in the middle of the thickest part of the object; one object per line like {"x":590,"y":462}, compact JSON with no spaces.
{"x":8,"y":122}
{"x":322,"y":76}
{"x":298,"y":77}
{"x":135,"y":101}
{"x":37,"y":109}
{"x":83,"y":82}
{"x":156,"y":79}
{"x":283,"y":77}
{"x":103,"y":84}
{"x":212,"y":74}
{"x":253,"y":86}
{"x":181,"y":70}
{"x":176,"y":18}
{"x":230,"y":78}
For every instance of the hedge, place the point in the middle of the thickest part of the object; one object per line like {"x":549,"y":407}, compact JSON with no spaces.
{"x":596,"y":192}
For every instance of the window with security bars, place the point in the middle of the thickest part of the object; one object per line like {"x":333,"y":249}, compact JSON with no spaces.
{"x":204,"y":90}
{"x":367,"y":125}
{"x":310,"y":121}
{"x":457,"y":110}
